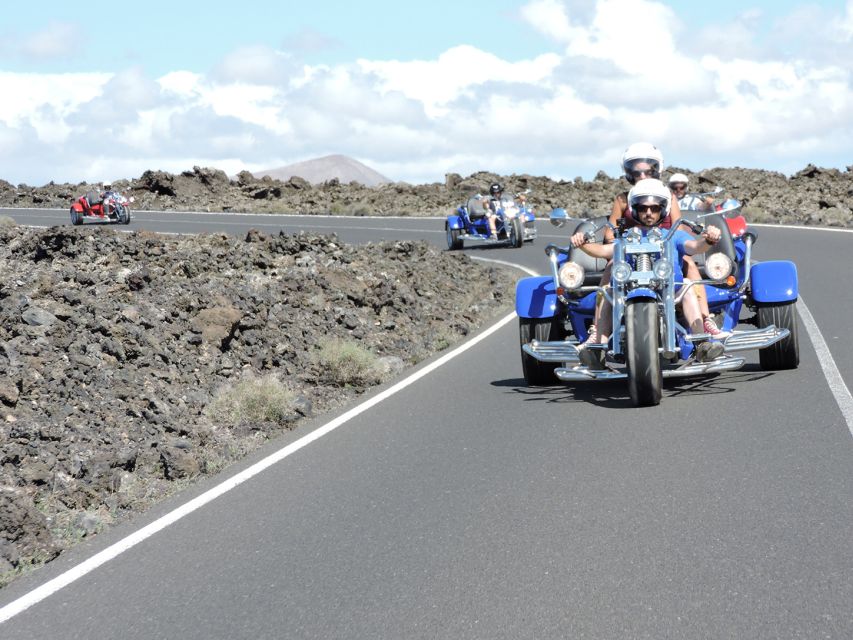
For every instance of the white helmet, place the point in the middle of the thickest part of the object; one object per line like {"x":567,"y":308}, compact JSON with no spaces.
{"x":650,"y":191}
{"x":642,"y":152}
{"x":678,"y":177}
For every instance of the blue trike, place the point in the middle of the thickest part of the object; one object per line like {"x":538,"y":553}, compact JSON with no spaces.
{"x":515,"y":222}
{"x":650,"y":341}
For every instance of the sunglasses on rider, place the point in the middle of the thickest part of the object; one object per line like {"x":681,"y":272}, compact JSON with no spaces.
{"x":636,"y":173}
{"x":642,"y":208}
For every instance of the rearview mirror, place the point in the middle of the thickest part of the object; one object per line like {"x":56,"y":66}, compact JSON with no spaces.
{"x":558,"y":217}
{"x":730,"y":207}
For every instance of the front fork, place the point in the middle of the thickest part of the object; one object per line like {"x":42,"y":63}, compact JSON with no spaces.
{"x":666,"y":298}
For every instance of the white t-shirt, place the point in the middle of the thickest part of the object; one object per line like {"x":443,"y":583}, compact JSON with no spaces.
{"x":690,"y":202}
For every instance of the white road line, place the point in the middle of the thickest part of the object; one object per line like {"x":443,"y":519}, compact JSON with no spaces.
{"x":232,"y":214}
{"x":506,"y":264}
{"x":800,"y":227}
{"x":49,"y":588}
{"x":827,"y":363}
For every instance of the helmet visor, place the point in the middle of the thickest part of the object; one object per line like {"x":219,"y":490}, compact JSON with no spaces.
{"x":639,"y":168}
{"x":643,"y":203}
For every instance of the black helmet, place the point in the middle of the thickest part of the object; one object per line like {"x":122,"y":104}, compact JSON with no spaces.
{"x":496,"y":188}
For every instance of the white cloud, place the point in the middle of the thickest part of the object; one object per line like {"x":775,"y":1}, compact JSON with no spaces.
{"x":550,"y":18}
{"x":56,"y":40}
{"x":458,"y":71}
{"x":620,"y":71}
{"x":309,"y":41}
{"x":258,"y":64}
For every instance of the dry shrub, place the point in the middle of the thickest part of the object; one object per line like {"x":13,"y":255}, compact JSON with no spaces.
{"x":348,"y":363}
{"x":253,"y":401}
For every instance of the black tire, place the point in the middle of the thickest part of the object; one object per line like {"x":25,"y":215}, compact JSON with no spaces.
{"x":75,"y":217}
{"x":785,"y":354}
{"x":124,"y":215}
{"x":453,"y":241}
{"x":642,"y":333}
{"x":537,"y":374}
{"x":516,"y":233}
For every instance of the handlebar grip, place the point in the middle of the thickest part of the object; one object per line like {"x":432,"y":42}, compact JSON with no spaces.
{"x":555,"y":249}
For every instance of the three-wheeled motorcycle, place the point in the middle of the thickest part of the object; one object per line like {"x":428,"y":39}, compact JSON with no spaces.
{"x":515,"y":222}
{"x":650,"y":341}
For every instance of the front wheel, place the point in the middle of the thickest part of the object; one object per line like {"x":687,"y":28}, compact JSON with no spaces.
{"x":536,"y":373}
{"x":516,"y":233}
{"x":642,"y":337}
{"x":454,"y":242}
{"x":75,"y":217}
{"x":784,"y":354}
{"x":124,"y":215}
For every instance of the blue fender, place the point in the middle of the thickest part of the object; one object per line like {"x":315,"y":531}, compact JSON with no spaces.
{"x":641,"y":293}
{"x":455,"y":222}
{"x":774,"y":281}
{"x":535,"y":297}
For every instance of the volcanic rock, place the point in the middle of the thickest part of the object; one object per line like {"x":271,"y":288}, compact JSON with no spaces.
{"x":114,"y":377}
{"x":811,"y":196}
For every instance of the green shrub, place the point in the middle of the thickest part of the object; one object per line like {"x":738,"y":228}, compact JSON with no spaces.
{"x":348,"y":363}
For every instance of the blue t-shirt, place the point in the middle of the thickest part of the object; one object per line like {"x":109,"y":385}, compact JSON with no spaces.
{"x":679,"y":238}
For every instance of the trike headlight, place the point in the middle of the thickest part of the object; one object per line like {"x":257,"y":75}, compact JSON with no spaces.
{"x":718,"y":266}
{"x":621,"y":272}
{"x":571,"y":275}
{"x":662,"y":269}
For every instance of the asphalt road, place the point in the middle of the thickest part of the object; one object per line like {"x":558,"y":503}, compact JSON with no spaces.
{"x":466,"y":505}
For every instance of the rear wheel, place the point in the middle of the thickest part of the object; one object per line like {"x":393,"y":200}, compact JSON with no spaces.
{"x":785,"y":354}
{"x":642,"y":333}
{"x":516,"y":233}
{"x":453,"y":240}
{"x":536,"y":373}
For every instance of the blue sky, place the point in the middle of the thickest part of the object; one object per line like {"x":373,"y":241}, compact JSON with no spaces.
{"x":419,"y":89}
{"x":164,"y":35}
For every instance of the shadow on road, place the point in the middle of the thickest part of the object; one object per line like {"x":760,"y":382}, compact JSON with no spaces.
{"x":613,"y":394}
{"x":609,"y":394}
{"x":489,"y":246}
